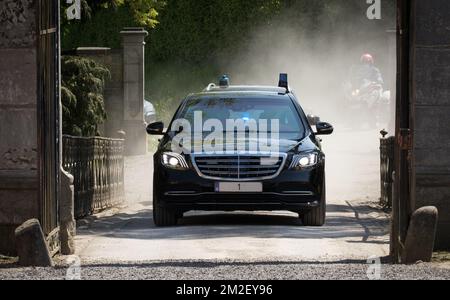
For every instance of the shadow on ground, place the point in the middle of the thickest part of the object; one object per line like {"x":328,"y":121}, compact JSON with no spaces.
{"x":342,"y":222}
{"x":8,"y":262}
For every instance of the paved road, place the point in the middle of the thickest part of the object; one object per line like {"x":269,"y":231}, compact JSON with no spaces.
{"x":355,"y":229}
{"x":131,"y":236}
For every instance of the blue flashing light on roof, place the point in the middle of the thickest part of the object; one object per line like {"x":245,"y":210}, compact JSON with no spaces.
{"x":224,"y":82}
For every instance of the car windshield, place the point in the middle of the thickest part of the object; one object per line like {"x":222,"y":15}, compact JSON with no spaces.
{"x":247,"y":109}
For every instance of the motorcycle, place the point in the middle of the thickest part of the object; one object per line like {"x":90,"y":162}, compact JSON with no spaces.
{"x":369,"y":105}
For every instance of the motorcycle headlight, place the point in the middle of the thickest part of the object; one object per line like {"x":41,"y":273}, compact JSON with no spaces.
{"x":304,"y":161}
{"x":174,"y":161}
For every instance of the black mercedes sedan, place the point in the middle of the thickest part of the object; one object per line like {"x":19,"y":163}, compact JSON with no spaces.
{"x":240,"y":148}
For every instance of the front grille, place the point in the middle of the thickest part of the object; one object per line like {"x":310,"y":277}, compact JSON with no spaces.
{"x":239,"y":167}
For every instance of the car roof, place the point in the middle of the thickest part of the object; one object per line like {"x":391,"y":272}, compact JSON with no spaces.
{"x":242,"y":90}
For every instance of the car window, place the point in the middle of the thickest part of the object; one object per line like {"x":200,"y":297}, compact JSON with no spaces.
{"x":248,"y":108}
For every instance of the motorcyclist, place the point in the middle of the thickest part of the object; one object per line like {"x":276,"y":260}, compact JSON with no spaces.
{"x":366,"y":72}
{"x":366,"y":94}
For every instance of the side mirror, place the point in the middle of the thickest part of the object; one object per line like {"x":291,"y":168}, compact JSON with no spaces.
{"x":156,"y":128}
{"x":324,"y":128}
{"x":313,"y":120}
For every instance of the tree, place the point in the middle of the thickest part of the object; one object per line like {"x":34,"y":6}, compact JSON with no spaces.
{"x":144,"y":11}
{"x":83,"y":82}
{"x":102,"y":20}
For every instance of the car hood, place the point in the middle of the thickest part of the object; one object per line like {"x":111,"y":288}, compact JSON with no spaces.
{"x":284,"y":145}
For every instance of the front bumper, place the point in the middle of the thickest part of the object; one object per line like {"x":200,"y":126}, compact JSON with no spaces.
{"x":291,"y":190}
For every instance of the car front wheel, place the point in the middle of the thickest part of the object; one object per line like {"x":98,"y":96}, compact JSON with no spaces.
{"x":162,"y":216}
{"x":316,"y":216}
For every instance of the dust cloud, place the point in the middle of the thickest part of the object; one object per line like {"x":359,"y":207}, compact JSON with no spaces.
{"x":318,"y":66}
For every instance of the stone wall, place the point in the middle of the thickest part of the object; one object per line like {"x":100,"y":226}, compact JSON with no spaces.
{"x":17,"y":20}
{"x":18,"y":117}
{"x":431,"y":110}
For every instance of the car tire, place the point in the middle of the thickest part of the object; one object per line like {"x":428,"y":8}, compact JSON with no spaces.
{"x":163,"y":217}
{"x":316,"y":217}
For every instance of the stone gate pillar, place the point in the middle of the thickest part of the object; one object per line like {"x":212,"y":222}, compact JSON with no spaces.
{"x":19,"y":149}
{"x":430,"y":97}
{"x":133,"y":40}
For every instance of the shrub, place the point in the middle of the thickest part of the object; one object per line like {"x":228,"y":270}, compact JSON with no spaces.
{"x":83,"y":82}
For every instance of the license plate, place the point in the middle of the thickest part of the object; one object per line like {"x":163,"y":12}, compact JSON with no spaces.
{"x":239,"y":187}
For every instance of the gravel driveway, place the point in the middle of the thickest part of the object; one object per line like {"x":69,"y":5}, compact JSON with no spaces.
{"x":232,"y":271}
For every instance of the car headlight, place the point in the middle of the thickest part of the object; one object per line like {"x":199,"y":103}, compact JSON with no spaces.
{"x":304,"y":161}
{"x":174,"y":161}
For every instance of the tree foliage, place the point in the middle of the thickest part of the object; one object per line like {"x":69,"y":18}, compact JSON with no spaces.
{"x":194,"y":40}
{"x":144,"y":12}
{"x":197,"y":30}
{"x":189,"y":37}
{"x":83,"y":82}
{"x":102,"y":20}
